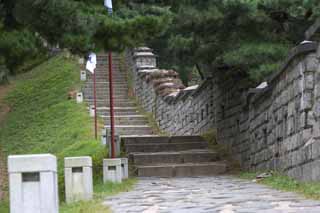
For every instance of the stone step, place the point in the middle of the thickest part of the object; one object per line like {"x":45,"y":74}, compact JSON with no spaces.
{"x":118,"y":112}
{"x":127,"y":120}
{"x":189,"y":156}
{"x":105,"y":103}
{"x":132,"y":130}
{"x":163,"y":139}
{"x":182,"y":170}
{"x":106,"y":97}
{"x":164,"y":147}
{"x":101,"y":93}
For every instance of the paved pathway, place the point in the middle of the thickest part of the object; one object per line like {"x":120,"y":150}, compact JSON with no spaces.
{"x":222,"y":194}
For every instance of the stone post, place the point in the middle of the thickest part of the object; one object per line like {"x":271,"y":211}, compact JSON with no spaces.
{"x":144,"y":58}
{"x":104,"y":135}
{"x":91,"y":110}
{"x":79,"y":97}
{"x":124,"y":168}
{"x":112,"y":170}
{"x":83,"y":75}
{"x":33,"y":183}
{"x":78,"y":178}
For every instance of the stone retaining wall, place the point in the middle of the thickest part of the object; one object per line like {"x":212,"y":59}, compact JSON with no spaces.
{"x":277,"y":127}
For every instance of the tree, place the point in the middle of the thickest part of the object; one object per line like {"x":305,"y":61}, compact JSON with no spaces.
{"x":251,"y":37}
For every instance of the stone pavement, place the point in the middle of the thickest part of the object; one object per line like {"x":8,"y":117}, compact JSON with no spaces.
{"x":221,"y":194}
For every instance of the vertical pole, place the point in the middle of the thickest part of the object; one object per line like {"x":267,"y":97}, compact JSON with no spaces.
{"x":111,"y":106}
{"x":95,"y":105}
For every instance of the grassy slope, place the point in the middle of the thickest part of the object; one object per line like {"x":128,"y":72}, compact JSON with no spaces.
{"x":43,"y":120}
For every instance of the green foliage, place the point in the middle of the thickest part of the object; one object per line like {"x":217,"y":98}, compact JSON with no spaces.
{"x":248,"y":36}
{"x":285,"y":183}
{"x":19,"y":46}
{"x":101,"y":190}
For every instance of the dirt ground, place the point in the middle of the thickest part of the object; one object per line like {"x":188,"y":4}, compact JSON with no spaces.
{"x":4,"y":110}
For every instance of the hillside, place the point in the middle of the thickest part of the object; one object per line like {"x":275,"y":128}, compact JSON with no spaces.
{"x":43,"y":119}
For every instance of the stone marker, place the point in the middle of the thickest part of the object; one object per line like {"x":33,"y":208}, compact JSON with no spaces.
{"x":81,"y":61}
{"x":91,"y":111}
{"x":124,"y":168}
{"x":78,"y":178}
{"x":79,"y":97}
{"x":112,"y":170}
{"x":83,"y":75}
{"x":33,"y":183}
{"x":104,"y":137}
{"x":117,"y":142}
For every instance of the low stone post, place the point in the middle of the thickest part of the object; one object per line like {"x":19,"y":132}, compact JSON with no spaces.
{"x":124,"y":168}
{"x":83,"y":75}
{"x":78,"y":178}
{"x":91,"y":111}
{"x":117,"y":141}
{"x":81,"y":61}
{"x":112,"y":170}
{"x":79,"y":97}
{"x":104,"y":137}
{"x":33,"y":183}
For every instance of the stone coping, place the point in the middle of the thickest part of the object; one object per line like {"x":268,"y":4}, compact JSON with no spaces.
{"x":72,"y":162}
{"x":32,"y":163}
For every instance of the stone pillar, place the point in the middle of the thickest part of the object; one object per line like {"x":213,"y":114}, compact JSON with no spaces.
{"x":78,"y":178}
{"x":144,"y":58}
{"x":104,"y":135}
{"x":81,"y":61}
{"x":112,"y":170}
{"x":79,"y":97}
{"x":91,"y":110}
{"x":33,"y":183}
{"x":124,"y":168}
{"x":83,"y":75}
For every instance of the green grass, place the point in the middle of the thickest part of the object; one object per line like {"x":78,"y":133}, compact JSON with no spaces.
{"x":284,"y":183}
{"x":101,"y":191}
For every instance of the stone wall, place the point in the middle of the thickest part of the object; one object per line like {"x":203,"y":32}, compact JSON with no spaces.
{"x":276,"y":127}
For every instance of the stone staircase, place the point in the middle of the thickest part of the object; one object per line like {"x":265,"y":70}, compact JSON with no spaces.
{"x":150,"y":155}
{"x":176,"y":156}
{"x":128,"y":120}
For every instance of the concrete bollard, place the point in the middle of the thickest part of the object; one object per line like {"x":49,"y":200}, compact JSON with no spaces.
{"x":117,"y":141}
{"x":91,"y":111}
{"x":79,"y":97}
{"x":81,"y":61}
{"x":112,"y":170}
{"x":124,"y":168}
{"x":104,"y":137}
{"x":33,"y":183}
{"x":83,"y":75}
{"x":78,"y":178}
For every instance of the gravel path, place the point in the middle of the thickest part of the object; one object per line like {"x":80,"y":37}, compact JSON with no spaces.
{"x":222,"y":194}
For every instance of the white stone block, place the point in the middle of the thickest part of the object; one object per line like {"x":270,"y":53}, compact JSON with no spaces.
{"x":33,"y":183}
{"x":81,"y":61}
{"x":78,"y":178}
{"x":91,"y":111}
{"x":83,"y":75}
{"x":79,"y":97}
{"x":112,"y":170}
{"x":104,"y":137}
{"x":124,"y":168}
{"x":117,"y":143}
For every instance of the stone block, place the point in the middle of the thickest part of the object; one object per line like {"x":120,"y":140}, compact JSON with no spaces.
{"x":78,"y":178}
{"x":311,"y":63}
{"x":124,"y":168}
{"x":309,"y":81}
{"x":83,"y":75}
{"x":81,"y":61}
{"x":112,"y":170}
{"x":91,"y":111}
{"x":79,"y":97}
{"x":33,"y":183}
